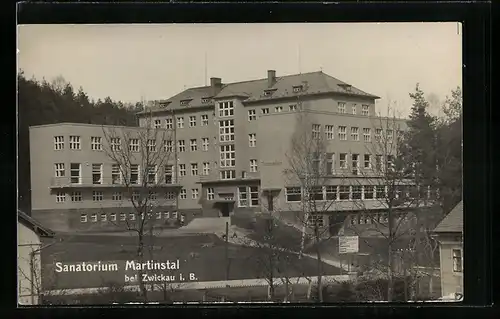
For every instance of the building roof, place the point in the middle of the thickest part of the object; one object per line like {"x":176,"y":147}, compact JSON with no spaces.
{"x":453,"y":222}
{"x":252,"y":91}
{"x":29,"y":222}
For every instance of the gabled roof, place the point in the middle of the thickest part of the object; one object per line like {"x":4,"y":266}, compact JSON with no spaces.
{"x":29,"y":222}
{"x":312,"y":83}
{"x":453,"y":222}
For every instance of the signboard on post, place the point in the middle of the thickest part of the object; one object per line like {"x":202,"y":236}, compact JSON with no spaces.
{"x":348,"y":244}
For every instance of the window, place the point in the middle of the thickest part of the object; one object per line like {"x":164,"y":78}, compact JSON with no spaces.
{"x":152,"y":196}
{"x":329,"y":132}
{"x":252,"y":115}
{"x":174,"y":215}
{"x":157,"y":124}
{"x":170,"y":195}
{"x":169,"y":124}
{"x":60,"y":197}
{"x":112,"y":217}
{"x":330,"y":164}
{"x":96,"y":143}
{"x":364,"y":110}
{"x":341,"y":107}
{"x":169,"y":177}
{"x":204,"y":120}
{"x":136,"y":196}
{"x":204,"y":144}
{"x":316,"y":193}
{"x":134,"y":174}
{"x":194,"y":193}
{"x":158,"y":215}
{"x":242,"y":197}
{"x":97,"y":196}
{"x":253,"y":165}
{"x":133,"y":145}
{"x":264,"y":110}
{"x":167,"y":215}
{"x":185,"y":102}
{"x":268,"y":93}
{"x":123,"y":217}
{"x":193,"y":145}
{"x":226,"y":109}
{"x":457,"y":260}
{"x":182,"y":170}
{"x":390,"y":135}
{"x":367,"y":135}
{"x":194,"y":169}
{"x":293,"y":194}
{"x":206,"y":168}
{"x":76,"y":173}
{"x":355,"y":164}
{"x":181,"y":146}
{"x":367,"y":161}
{"x":380,"y":191}
{"x":297,"y":89}
{"x":58,"y":143}
{"x":104,"y":217}
{"x":210,"y":194}
{"x":355,"y":133}
{"x":76,"y":196}
{"x":116,"y":176}
{"x":151,"y":174}
{"x":354,"y":109}
{"x":231,"y":174}
{"x":83,"y":218}
{"x":316,"y":131}
{"x":278,"y":109}
{"x":344,"y":192}
{"x":368,"y":192}
{"x":116,"y":144}
{"x":227,"y":156}
{"x":116,"y":196}
{"x":252,"y":140}
{"x":378,"y":134}
{"x":74,"y":143}
{"x":315,"y":220}
{"x":343,"y":160}
{"x":390,"y":162}
{"x":183,"y":194}
{"x":151,"y":146}
{"x":167,"y":146}
{"x":378,"y":163}
{"x":292,"y":107}
{"x":226,"y":130}
{"x":356,"y":192}
{"x":93,"y":218}
{"x":343,"y":133}
{"x":254,"y":196}
{"x":131,"y":216}
{"x":180,"y":122}
{"x":59,"y":170}
{"x":96,"y":173}
{"x":315,"y":163}
{"x":192,"y":121}
{"x":331,"y":192}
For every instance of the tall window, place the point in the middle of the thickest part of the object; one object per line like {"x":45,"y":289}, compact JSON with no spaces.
{"x":151,"y":174}
{"x":331,"y":192}
{"x":183,"y":194}
{"x":364,"y":110}
{"x":368,"y":192}
{"x":169,"y":123}
{"x":192,"y":121}
{"x":97,"y":196}
{"x":96,"y":173}
{"x":76,"y":173}
{"x":116,"y":196}
{"x":210,"y":193}
{"x":316,"y":131}
{"x":227,"y":156}
{"x":96,"y":143}
{"x":133,"y":145}
{"x":378,"y":163}
{"x":252,"y":115}
{"x":378,"y":134}
{"x":343,"y":160}
{"x":356,"y":192}
{"x":134,"y":174}
{"x":204,"y":144}
{"x":76,"y":196}
{"x":254,"y":196}
{"x":341,"y":107}
{"x":59,"y":170}
{"x":226,"y":130}
{"x":83,"y":218}
{"x":227,"y":174}
{"x":367,"y":161}
{"x":252,"y":140}
{"x":157,"y":124}
{"x":315,"y":163}
{"x":194,"y":193}
{"x":355,"y":133}
{"x":116,"y":144}
{"x":169,"y":178}
{"x":60,"y":197}
{"x":457,"y":260}
{"x":226,"y":109}
{"x":367,"y":135}
{"x":242,"y":196}
{"x":380,"y":191}
{"x":206,"y":168}
{"x":58,"y":143}
{"x":344,"y":192}
{"x":170,"y":195}
{"x":293,"y":194}
{"x":330,"y":163}
{"x":253,"y":165}
{"x":354,"y":109}
{"x":151,"y":146}
{"x":74,"y":143}
{"x":355,"y":164}
{"x":167,"y":146}
{"x":181,"y":145}
{"x":343,"y":133}
{"x":204,"y":120}
{"x":194,"y":169}
{"x":329,"y":132}
{"x":193,"y":145}
{"x":180,"y":122}
{"x":182,"y":170}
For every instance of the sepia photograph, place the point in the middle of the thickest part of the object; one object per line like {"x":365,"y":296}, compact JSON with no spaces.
{"x":209,"y":163}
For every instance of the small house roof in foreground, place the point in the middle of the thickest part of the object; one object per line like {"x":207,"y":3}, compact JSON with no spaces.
{"x":453,"y":222}
{"x":29,"y":222}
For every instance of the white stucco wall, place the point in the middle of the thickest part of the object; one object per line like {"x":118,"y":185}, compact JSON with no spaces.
{"x":27,"y":242}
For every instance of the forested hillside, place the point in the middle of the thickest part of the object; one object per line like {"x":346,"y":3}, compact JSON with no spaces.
{"x":41,"y":102}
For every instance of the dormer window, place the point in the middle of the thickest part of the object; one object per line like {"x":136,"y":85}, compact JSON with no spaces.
{"x":269,"y":92}
{"x":185,"y":102}
{"x":297,"y":89}
{"x":205,"y":100}
{"x":346,"y":87}
{"x":164,"y":104}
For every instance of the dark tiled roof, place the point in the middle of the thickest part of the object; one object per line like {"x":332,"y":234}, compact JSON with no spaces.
{"x":23,"y":218}
{"x":313,"y":83}
{"x":453,"y":222}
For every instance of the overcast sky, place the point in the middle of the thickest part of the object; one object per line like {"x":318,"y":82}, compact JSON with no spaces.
{"x":130,"y":62}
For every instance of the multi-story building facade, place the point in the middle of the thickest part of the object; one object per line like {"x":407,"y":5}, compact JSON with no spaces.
{"x":229,"y":146}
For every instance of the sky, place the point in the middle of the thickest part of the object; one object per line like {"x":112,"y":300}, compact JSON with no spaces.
{"x":134,"y":62}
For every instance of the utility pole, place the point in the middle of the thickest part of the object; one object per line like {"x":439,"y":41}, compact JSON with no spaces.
{"x":226,"y":251}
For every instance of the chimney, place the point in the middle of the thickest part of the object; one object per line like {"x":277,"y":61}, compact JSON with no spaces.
{"x":216,"y":85}
{"x":271,"y":77}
